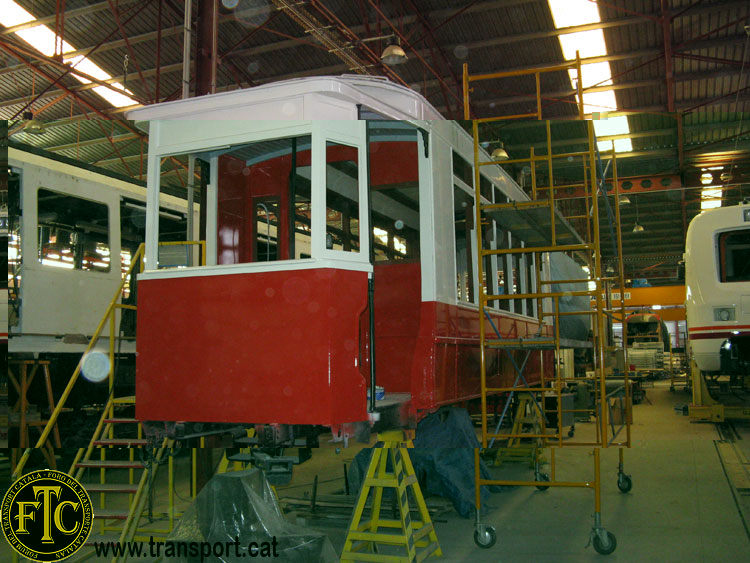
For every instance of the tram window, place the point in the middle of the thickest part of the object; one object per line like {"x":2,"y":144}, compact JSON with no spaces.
{"x":734,"y":253}
{"x":463,"y":215}
{"x":266,"y":238}
{"x":264,"y":191}
{"x":502,"y":238}
{"x":342,"y":197}
{"x":462,"y":169}
{"x":73,"y":232}
{"x":394,"y":190}
{"x":517,"y":272}
{"x":530,"y":284}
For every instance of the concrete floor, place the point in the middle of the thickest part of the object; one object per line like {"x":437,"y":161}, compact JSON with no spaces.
{"x":681,"y":508}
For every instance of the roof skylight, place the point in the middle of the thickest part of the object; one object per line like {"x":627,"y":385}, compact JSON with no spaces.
{"x":569,"y":13}
{"x":42,"y":39}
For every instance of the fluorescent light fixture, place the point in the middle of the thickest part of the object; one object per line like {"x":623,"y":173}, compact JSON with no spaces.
{"x":568,"y":13}
{"x":42,"y":39}
{"x":656,"y":307}
{"x":587,"y":43}
{"x":707,"y":178}
{"x":710,"y":198}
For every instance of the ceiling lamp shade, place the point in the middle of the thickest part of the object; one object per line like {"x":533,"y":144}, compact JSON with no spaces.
{"x":33,"y":125}
{"x":637,"y":228}
{"x":624,"y":200}
{"x":393,"y":55}
{"x":500,"y":153}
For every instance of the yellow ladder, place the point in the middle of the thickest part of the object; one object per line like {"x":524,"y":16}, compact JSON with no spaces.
{"x":120,"y":523}
{"x":527,"y":415}
{"x":412,"y":540}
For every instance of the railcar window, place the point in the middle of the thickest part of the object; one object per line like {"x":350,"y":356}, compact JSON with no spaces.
{"x":530,"y":283}
{"x":14,"y":247}
{"x":394,"y":190}
{"x":73,"y":232}
{"x":502,"y":238}
{"x":342,"y":197}
{"x":734,"y":253}
{"x":263,"y":200}
{"x":463,"y":216}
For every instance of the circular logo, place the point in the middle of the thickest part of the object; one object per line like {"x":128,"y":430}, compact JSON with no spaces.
{"x":46,"y":515}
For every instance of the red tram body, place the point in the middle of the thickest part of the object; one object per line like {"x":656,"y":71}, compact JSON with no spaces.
{"x":275,"y":329}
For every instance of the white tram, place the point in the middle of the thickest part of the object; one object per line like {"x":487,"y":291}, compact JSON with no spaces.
{"x":717,"y":276}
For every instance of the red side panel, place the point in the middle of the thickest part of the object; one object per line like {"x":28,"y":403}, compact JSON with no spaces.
{"x":262,"y":347}
{"x":431,"y":349}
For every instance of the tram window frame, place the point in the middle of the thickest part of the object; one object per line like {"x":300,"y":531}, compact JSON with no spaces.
{"x":728,"y":253}
{"x":464,"y":255}
{"x":502,"y":237}
{"x":391,"y":225}
{"x":350,"y":233}
{"x":78,"y":236}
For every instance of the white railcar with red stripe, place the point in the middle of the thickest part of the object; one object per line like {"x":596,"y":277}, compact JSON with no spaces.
{"x":717,"y":276}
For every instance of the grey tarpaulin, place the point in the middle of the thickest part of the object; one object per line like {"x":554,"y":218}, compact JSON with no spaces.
{"x":443,"y":459}
{"x":241,"y":504}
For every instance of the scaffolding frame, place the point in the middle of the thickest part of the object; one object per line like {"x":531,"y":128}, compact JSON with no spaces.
{"x":541,"y":211}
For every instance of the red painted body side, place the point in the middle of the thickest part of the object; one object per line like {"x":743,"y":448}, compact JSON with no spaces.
{"x":431,"y":349}
{"x":262,"y":347}
{"x":286,"y":347}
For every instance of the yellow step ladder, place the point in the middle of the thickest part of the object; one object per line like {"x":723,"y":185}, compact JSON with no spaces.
{"x":410,"y":540}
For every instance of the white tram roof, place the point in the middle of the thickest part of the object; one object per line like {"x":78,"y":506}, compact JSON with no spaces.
{"x":326,"y":97}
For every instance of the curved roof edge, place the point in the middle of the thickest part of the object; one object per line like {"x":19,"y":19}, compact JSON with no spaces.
{"x":325,"y":97}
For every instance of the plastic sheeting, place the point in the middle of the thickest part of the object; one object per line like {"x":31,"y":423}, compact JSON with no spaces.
{"x":239,"y":506}
{"x":443,"y":459}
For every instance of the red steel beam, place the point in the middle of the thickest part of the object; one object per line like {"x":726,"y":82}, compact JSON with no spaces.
{"x":158,"y":52}
{"x":116,"y":13}
{"x":703,"y":58}
{"x":112,"y":144}
{"x":666,"y":22}
{"x":42,"y":58}
{"x":206,"y":58}
{"x":416,"y":53}
{"x":352,"y":38}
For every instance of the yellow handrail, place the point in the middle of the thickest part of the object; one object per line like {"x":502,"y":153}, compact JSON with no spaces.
{"x":135,"y":260}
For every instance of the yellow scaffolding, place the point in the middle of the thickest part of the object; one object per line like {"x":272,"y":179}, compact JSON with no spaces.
{"x":544,"y":229}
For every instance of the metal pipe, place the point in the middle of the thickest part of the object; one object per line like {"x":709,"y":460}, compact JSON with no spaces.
{"x":268,"y":230}
{"x":371,"y":277}
{"x":186,"y":37}
{"x":190,"y":200}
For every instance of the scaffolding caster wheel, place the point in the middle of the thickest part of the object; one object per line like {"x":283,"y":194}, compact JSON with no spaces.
{"x":624,"y":483}
{"x":542,"y":477}
{"x":485,"y":538}
{"x":602,"y":547}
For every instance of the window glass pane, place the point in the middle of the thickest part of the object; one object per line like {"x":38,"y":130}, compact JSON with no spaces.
{"x":735,"y":256}
{"x":463,"y":170}
{"x":503,"y":266}
{"x":264,"y":201}
{"x":73,"y":232}
{"x":517,"y":272}
{"x":394,"y":190}
{"x":342,"y":197}
{"x":530,"y":284}
{"x":463,"y":214}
